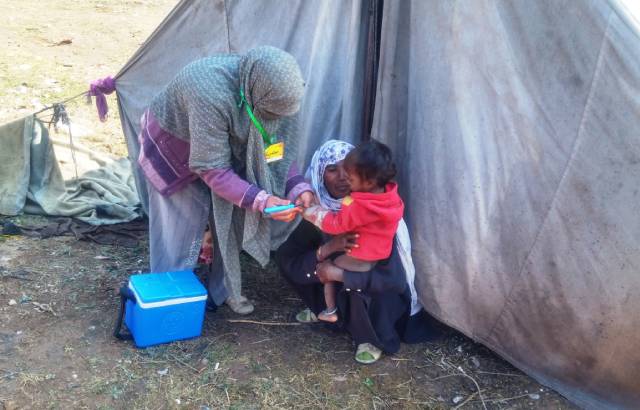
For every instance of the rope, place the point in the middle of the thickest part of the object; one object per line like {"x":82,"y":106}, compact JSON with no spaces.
{"x":60,"y":114}
{"x":82,"y":94}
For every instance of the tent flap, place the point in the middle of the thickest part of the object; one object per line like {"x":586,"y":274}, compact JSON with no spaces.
{"x":517,"y":125}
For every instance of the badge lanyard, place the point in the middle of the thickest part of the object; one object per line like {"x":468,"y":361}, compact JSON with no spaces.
{"x":274,"y":151}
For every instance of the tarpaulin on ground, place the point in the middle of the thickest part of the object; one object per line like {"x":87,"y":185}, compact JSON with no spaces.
{"x":32,"y":182}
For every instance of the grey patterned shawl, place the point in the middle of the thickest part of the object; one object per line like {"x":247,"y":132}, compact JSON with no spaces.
{"x":201,"y":106}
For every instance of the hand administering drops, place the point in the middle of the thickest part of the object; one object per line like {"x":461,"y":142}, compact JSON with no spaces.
{"x":286,"y":215}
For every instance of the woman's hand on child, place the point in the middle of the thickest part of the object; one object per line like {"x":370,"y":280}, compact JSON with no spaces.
{"x":343,"y":243}
{"x":339,"y":243}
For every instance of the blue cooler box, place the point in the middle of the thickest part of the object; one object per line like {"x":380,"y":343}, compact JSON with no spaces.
{"x":168,"y":306}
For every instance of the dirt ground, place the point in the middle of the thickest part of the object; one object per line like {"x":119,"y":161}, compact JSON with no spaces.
{"x":58,"y":296}
{"x":58,"y":304}
{"x":53,"y":49}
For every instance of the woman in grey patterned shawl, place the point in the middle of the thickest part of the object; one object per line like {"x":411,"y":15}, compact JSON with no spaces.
{"x":203,"y":143}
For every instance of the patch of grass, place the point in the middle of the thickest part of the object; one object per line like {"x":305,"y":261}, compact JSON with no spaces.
{"x":116,"y":391}
{"x":32,"y":379}
{"x":257,"y":367}
{"x":219,"y":352}
{"x":100,"y":385}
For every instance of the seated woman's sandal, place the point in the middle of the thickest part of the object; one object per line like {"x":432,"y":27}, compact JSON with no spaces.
{"x":367,"y":353}
{"x":330,"y":316}
{"x":306,"y":316}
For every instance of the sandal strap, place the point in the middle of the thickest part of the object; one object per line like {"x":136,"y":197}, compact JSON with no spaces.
{"x":330,"y":312}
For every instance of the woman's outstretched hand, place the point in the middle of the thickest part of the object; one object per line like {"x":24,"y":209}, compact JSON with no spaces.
{"x":284,"y":216}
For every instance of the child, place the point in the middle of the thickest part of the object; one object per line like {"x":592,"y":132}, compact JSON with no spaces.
{"x":373,"y":211}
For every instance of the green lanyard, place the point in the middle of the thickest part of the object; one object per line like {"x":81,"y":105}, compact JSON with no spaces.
{"x":268,"y":139}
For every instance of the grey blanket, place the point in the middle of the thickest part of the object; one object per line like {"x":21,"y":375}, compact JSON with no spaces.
{"x":31,"y":181}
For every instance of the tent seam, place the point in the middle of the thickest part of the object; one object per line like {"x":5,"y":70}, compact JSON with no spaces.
{"x":594,"y":80}
{"x":226,"y":24}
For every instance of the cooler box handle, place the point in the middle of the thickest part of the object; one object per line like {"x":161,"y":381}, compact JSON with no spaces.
{"x":125,"y":294}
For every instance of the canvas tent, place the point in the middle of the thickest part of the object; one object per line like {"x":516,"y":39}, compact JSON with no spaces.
{"x":515,"y":125}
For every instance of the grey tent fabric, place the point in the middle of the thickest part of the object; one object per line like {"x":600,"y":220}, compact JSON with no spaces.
{"x":32,"y":182}
{"x":517,"y":127}
{"x":327,"y":38}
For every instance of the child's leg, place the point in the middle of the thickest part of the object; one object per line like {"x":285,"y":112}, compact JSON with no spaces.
{"x":352,"y":264}
{"x":330,"y":314}
{"x":330,"y":295}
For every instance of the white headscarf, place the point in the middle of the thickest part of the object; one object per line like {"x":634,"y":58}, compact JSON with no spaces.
{"x":330,"y":153}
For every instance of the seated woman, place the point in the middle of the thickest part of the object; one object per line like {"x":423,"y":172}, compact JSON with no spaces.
{"x":375,"y":306}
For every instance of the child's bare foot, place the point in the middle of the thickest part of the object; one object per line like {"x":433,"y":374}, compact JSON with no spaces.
{"x":330,"y":316}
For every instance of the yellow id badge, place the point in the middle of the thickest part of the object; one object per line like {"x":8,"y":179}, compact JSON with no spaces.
{"x":274,"y":152}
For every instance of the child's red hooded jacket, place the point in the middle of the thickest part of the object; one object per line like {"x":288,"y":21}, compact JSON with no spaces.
{"x":374,"y":217}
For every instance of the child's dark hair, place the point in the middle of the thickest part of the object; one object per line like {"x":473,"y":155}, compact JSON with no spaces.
{"x":372,"y":161}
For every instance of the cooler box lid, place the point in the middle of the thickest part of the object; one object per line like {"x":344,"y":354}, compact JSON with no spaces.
{"x":167,"y":288}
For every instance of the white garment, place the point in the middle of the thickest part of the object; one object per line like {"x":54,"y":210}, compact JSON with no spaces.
{"x":403,"y":243}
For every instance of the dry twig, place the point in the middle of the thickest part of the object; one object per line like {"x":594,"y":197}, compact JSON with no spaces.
{"x":44,"y":307}
{"x":505,"y":399}
{"x":184,"y":364}
{"x":461,"y":372}
{"x":255,"y":322}
{"x":501,"y":374}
